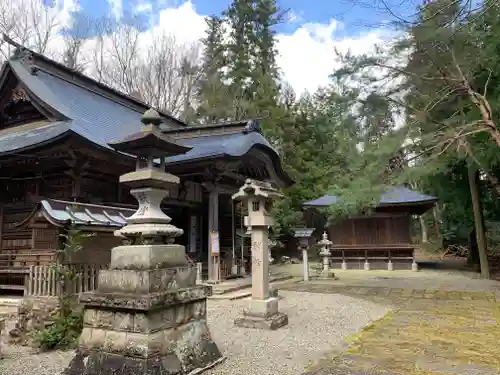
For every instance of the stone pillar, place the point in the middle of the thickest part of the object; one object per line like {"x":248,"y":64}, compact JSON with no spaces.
{"x":199,"y":272}
{"x":305,"y":263}
{"x":260,"y":263}
{"x":263,"y":310}
{"x":390,"y":265}
{"x":147,"y":316}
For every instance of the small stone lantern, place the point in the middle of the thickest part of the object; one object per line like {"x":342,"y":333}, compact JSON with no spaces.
{"x":263,"y":310}
{"x":303,"y":235}
{"x":325,"y":244}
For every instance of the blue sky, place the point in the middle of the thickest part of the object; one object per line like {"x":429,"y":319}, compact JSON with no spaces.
{"x":357,"y":15}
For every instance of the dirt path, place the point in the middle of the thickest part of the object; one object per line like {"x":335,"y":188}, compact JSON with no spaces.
{"x":429,"y":332}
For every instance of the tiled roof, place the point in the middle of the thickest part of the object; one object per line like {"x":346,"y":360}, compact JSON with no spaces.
{"x":398,"y":195}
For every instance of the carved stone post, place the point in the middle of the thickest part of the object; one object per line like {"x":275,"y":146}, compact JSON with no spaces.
{"x":263,"y":310}
{"x":147,"y":315}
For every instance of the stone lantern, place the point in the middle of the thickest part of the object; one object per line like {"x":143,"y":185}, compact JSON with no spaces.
{"x":325,"y":244}
{"x":147,"y":315}
{"x":303,"y":235}
{"x":263,"y":310}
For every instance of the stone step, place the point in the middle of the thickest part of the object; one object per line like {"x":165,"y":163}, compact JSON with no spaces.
{"x":239,"y":294}
{"x":247,"y":293}
{"x":10,"y":302}
{"x":231,"y":286}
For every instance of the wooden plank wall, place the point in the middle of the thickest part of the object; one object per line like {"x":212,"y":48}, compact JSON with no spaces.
{"x":371,"y":231}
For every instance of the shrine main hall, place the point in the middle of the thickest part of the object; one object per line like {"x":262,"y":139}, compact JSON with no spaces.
{"x":57,"y":171}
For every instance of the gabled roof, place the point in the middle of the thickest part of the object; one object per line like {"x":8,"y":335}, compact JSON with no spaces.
{"x":397,"y":196}
{"x":76,"y":104}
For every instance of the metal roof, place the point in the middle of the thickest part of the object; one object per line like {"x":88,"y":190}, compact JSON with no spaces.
{"x":101,"y":120}
{"x":62,"y":213}
{"x":398,"y":195}
{"x":224,"y":144}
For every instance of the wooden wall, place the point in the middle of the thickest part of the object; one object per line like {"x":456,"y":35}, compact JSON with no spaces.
{"x":375,"y":230}
{"x":96,"y":249}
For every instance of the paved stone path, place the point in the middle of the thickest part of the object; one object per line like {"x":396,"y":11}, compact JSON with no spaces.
{"x":429,"y":332}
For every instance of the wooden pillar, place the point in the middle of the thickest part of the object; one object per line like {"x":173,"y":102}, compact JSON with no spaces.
{"x":242,"y":267}
{"x":1,"y":224}
{"x":213,"y":226}
{"x":234,"y":267}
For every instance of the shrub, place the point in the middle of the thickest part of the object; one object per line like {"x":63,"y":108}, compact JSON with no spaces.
{"x":62,"y":333}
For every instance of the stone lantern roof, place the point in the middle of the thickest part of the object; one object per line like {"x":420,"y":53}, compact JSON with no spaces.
{"x":150,"y":141}
{"x":257,"y":188}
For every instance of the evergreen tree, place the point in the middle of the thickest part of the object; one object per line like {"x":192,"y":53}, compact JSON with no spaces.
{"x":213,"y":96}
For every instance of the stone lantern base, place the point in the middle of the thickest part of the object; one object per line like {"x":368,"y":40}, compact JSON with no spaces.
{"x":144,"y":319}
{"x":263,"y":314}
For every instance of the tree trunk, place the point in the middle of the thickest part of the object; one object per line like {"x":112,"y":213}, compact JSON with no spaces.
{"x":423,"y":229}
{"x":473,"y":174}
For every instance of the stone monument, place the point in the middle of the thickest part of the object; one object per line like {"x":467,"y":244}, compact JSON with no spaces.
{"x":263,"y":310}
{"x":147,"y":315}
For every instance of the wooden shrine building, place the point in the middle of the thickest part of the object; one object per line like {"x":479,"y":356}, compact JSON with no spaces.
{"x":374,"y":239}
{"x":57,"y":169}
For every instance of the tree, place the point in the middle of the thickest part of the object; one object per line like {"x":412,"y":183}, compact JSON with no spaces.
{"x":444,"y":86}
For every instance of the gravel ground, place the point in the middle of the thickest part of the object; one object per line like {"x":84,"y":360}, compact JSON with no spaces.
{"x":317,"y":322}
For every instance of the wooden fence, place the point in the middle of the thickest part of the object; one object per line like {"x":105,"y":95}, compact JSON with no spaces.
{"x":42,"y":280}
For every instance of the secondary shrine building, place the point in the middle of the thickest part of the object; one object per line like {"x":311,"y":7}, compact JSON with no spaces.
{"x":57,"y":169}
{"x":379,"y":240}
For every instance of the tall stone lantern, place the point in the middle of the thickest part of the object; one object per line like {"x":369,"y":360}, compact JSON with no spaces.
{"x":325,"y":244}
{"x":147,"y":315}
{"x":263,"y":310}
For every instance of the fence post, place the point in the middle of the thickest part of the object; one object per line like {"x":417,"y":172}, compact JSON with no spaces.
{"x":30,"y":281}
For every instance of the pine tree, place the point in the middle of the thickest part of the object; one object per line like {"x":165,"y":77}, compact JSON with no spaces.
{"x":213,"y":93}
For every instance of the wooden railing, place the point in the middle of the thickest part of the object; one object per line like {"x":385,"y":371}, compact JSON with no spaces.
{"x":42,"y":280}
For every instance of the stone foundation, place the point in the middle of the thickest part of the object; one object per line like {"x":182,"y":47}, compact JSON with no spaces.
{"x":32,"y":314}
{"x":144,"y":320}
{"x":272,"y":323}
{"x":263,"y":314}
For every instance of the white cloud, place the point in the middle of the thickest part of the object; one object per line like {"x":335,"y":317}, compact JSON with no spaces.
{"x":306,"y":57}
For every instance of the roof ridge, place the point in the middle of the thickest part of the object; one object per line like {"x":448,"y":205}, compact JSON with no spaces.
{"x":248,"y":126}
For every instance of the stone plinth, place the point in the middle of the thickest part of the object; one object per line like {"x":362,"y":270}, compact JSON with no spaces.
{"x":262,"y":314}
{"x":143,"y":319}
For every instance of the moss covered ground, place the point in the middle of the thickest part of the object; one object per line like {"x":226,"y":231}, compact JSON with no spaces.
{"x":429,"y":332}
